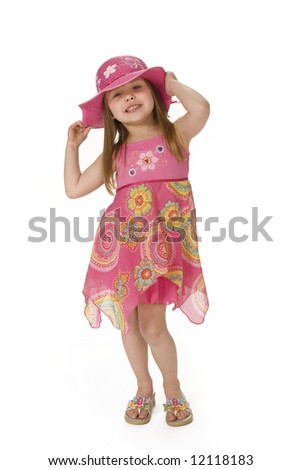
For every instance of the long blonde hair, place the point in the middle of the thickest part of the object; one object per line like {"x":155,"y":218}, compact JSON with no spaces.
{"x":115,"y":135}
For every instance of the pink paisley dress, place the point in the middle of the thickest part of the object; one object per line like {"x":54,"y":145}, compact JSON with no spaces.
{"x":146,"y":248}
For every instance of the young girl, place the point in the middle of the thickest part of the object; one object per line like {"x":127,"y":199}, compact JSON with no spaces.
{"x":145,"y":254}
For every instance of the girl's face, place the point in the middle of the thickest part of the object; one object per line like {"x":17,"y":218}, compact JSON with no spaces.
{"x":131,"y":103}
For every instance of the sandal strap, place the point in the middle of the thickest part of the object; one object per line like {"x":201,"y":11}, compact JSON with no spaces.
{"x":140,"y":403}
{"x":176,"y":404}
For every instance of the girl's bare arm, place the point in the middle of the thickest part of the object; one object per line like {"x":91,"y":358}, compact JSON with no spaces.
{"x":197,"y":107}
{"x":79,"y":184}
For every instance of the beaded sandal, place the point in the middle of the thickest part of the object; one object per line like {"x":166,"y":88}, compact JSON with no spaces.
{"x":178,"y":404}
{"x":140,"y":404}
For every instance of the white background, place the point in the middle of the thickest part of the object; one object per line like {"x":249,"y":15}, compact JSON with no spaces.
{"x":64,"y":385}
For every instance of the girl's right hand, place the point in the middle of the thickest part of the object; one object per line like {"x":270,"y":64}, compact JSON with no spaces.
{"x":77,"y":133}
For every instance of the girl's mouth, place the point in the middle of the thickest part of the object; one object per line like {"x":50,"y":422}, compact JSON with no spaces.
{"x":133,"y":108}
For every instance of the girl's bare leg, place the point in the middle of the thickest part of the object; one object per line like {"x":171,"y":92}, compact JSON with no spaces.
{"x":153,"y":327}
{"x":137,"y":352}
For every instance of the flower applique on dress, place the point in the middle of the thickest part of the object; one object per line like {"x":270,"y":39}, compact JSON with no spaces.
{"x":147,"y":161}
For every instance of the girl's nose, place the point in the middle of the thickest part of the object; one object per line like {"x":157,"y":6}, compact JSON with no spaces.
{"x":129,"y":97}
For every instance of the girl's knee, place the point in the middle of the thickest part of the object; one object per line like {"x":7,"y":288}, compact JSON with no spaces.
{"x":152,"y":333}
{"x":152,"y":322}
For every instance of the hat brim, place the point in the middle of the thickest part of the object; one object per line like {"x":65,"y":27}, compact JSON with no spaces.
{"x":92,"y":110}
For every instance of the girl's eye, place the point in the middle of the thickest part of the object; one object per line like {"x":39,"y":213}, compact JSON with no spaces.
{"x":116,"y":95}
{"x":136,"y":87}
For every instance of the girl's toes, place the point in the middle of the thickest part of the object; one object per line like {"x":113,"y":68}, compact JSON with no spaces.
{"x":171,"y":416}
{"x":143,"y":414}
{"x":132,"y":414}
{"x":182,"y":414}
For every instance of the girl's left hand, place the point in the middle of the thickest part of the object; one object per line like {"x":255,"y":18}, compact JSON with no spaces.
{"x":170,"y":77}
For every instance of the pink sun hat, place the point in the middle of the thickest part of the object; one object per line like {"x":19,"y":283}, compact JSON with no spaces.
{"x":116,"y":72}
